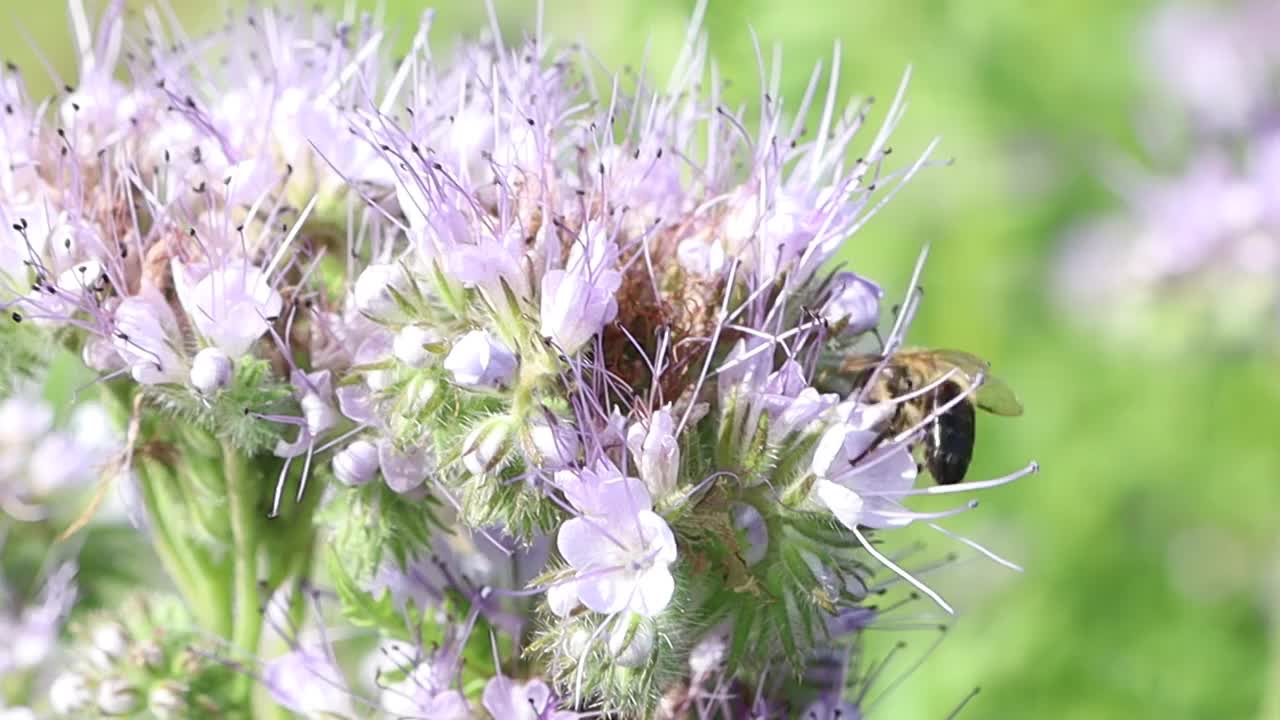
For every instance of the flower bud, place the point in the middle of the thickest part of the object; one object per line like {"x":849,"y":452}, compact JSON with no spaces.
{"x":479,"y":360}
{"x":854,"y":301}
{"x":748,"y":521}
{"x":631,"y":641}
{"x":554,"y":445}
{"x":562,"y":597}
{"x":150,"y":656}
{"x":210,"y":371}
{"x":415,"y":346}
{"x":487,"y":445}
{"x":168,"y":701}
{"x":404,"y":471}
{"x":109,"y":643}
{"x":376,"y":290}
{"x":709,"y":654}
{"x":357,"y":463}
{"x":116,"y":696}
{"x":656,"y":452}
{"x":69,"y":694}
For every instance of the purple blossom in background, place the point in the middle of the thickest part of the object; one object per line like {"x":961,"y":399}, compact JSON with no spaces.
{"x":1197,"y":238}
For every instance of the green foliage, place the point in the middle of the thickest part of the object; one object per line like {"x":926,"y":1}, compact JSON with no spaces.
{"x":229,"y":413}
{"x":371,"y":525}
{"x":25,"y":353}
{"x":781,"y":604}
{"x":507,"y":500}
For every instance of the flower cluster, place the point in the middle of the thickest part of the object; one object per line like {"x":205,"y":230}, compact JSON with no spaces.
{"x":1196,"y":245}
{"x":543,"y":375}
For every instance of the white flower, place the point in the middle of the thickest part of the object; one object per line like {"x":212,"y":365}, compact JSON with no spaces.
{"x":858,"y":485}
{"x":231,"y":305}
{"x":656,"y":451}
{"x":479,"y":360}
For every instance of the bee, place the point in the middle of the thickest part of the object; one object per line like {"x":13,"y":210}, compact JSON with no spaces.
{"x":948,"y":413}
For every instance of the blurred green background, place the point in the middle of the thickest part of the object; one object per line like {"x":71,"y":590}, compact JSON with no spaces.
{"x":1150,"y":537}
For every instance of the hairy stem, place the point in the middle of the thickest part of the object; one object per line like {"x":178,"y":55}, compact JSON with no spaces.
{"x":247,"y":625}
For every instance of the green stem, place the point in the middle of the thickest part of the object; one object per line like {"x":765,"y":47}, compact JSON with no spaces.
{"x":187,"y":571}
{"x":247,"y":623}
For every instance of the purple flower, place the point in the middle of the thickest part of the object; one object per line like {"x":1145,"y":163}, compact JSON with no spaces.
{"x":858,"y":484}
{"x":426,"y":693}
{"x":622,"y":553}
{"x":308,"y":681}
{"x":506,"y":699}
{"x":146,"y":335}
{"x":656,"y":451}
{"x":578,"y":302}
{"x":31,"y":632}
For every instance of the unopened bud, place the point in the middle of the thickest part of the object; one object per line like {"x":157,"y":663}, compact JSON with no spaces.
{"x":479,"y":360}
{"x":415,"y":346}
{"x":854,"y":301}
{"x":210,"y":371}
{"x":116,"y":696}
{"x":110,"y":638}
{"x":748,"y":521}
{"x":357,"y":463}
{"x":404,"y":471}
{"x":376,"y":290}
{"x":70,"y":694}
{"x":168,"y":701}
{"x":631,"y":641}
{"x":150,"y":656}
{"x":656,"y":452}
{"x":555,"y":445}
{"x":487,"y":445}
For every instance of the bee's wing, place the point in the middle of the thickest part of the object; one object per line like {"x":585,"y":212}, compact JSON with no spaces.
{"x":858,"y":362}
{"x":994,"y":396}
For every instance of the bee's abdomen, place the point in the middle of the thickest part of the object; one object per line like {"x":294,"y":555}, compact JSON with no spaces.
{"x":949,"y":446}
